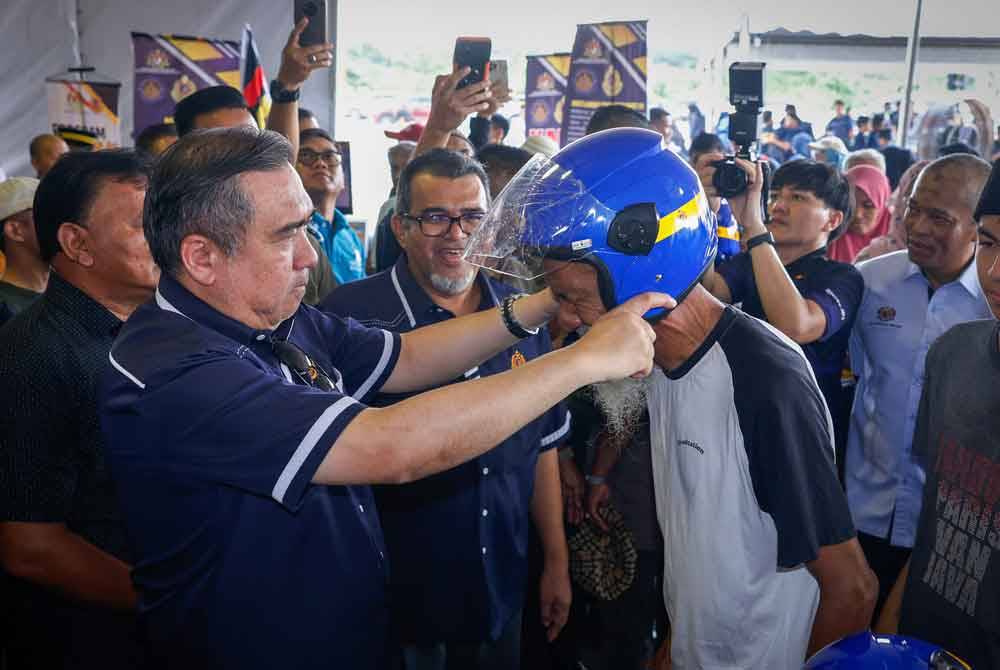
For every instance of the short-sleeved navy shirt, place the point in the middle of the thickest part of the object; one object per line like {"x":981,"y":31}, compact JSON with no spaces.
{"x":458,"y":539}
{"x":241,"y":561}
{"x":836,"y":287}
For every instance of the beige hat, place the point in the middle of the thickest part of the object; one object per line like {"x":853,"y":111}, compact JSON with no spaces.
{"x":829,"y":142}
{"x":541,"y":144}
{"x":16,"y":195}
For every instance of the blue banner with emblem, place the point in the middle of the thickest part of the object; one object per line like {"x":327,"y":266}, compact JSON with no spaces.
{"x":608,"y":66}
{"x":544,"y":95}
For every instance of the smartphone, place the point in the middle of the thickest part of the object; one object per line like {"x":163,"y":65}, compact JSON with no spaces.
{"x":498,"y":72}
{"x":315,"y":11}
{"x":475,"y":53}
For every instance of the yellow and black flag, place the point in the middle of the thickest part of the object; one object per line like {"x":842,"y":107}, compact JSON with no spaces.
{"x":255,"y":89}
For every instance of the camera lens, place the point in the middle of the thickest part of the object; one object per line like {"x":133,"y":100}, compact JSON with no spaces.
{"x":729,"y":179}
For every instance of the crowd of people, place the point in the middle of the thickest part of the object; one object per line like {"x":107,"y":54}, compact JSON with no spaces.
{"x":569,"y":409}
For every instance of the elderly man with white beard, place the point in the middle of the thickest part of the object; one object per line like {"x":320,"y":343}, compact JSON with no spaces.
{"x":761,"y":561}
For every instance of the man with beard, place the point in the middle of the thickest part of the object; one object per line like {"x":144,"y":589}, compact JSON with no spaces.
{"x":958,"y":440}
{"x":459,"y":604}
{"x":319,"y":166}
{"x":761,"y":563}
{"x":911,"y":298}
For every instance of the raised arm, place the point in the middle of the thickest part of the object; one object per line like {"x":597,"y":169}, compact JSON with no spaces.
{"x":439,"y":429}
{"x":449,"y":108}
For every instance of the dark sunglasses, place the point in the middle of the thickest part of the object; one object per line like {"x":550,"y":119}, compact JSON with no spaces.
{"x":302,"y":365}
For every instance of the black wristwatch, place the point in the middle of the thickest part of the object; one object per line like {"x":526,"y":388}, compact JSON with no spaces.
{"x":513,"y":325}
{"x":763,"y":238}
{"x":282,"y":95}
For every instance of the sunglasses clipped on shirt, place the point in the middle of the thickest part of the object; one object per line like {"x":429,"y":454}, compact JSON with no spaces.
{"x":302,"y":365}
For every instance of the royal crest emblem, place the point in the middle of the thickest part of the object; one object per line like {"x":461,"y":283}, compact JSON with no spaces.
{"x":158,"y":59}
{"x":545,"y":82}
{"x":517,"y":360}
{"x":886,"y":313}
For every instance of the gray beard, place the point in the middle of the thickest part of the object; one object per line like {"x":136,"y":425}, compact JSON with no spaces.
{"x":622,"y":403}
{"x":454,"y":286}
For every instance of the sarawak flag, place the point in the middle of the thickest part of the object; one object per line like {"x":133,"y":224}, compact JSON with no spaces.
{"x":255,"y":89}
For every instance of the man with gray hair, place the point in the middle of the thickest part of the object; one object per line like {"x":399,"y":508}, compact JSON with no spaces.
{"x":258,"y":544}
{"x":910,"y":298}
{"x":871,"y":157}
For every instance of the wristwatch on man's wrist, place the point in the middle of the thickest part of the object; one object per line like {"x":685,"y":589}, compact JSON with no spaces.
{"x":763,"y":238}
{"x":513,"y":325}
{"x":282,"y":95}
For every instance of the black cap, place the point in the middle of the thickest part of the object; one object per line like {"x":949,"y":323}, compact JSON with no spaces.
{"x":989,"y":201}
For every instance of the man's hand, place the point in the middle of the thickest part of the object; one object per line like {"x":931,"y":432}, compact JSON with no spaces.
{"x":620,"y":343}
{"x":298,"y":62}
{"x":746,"y":206}
{"x":500,"y":97}
{"x":573,"y":488}
{"x":451,"y":105}
{"x":705,"y":170}
{"x":556,"y":597}
{"x":597,"y":499}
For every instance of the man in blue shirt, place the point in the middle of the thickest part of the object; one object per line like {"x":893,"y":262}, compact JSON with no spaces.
{"x":237,"y":433}
{"x":841,"y":124}
{"x":319,"y":166}
{"x":785,"y":278}
{"x":461,"y":536}
{"x":911,"y":298}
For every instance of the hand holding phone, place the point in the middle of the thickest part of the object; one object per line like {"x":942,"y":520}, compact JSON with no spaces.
{"x":315,"y":11}
{"x":474,"y":53}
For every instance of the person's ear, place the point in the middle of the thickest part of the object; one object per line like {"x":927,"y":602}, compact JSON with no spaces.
{"x":75,"y":242}
{"x":833,"y":221}
{"x":13,"y":229}
{"x":201,"y":258}
{"x":399,"y":229}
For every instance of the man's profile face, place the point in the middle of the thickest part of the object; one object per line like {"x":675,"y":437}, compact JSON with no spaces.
{"x":798,"y":216}
{"x":437,"y":261}
{"x":51,"y":150}
{"x":988,"y":261}
{"x":264,"y":281}
{"x":224,"y":118}
{"x":575,"y":287}
{"x":939,"y":227}
{"x":319,"y":166}
{"x":116,"y":240}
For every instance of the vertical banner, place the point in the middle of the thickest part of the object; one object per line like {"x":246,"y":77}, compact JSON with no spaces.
{"x":544,"y":95}
{"x":608,"y":66}
{"x":86,"y":106}
{"x":168,"y":68}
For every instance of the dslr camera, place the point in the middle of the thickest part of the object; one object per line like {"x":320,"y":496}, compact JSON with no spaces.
{"x":746,"y":94}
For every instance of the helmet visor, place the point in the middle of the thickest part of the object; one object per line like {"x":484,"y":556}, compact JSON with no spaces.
{"x":544,"y":212}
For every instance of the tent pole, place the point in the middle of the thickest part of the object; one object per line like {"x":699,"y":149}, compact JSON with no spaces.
{"x":912,"y":51}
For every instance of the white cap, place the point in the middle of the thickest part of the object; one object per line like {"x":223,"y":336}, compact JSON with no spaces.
{"x":16,"y":195}
{"x":829,"y":142}
{"x":541,"y":144}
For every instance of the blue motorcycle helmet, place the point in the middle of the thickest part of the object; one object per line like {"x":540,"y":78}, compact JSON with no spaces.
{"x":619,"y":200}
{"x":872,"y":651}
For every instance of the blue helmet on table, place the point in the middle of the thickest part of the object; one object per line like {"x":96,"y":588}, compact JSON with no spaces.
{"x":868,"y":651}
{"x":619,"y":200}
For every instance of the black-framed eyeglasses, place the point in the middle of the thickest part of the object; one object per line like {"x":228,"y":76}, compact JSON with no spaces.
{"x":310,"y":158}
{"x":302,"y":365}
{"x":437,"y":224}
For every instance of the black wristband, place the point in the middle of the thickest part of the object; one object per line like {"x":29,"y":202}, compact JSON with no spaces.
{"x":282,"y":95}
{"x":763,"y":238}
{"x":509,"y":320}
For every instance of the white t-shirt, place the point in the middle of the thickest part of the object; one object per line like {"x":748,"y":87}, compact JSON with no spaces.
{"x":746,"y":494}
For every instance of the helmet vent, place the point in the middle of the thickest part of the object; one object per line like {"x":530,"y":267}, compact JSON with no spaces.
{"x":634,"y":229}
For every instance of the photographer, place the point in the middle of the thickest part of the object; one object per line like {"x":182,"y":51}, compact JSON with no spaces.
{"x":704,"y":148}
{"x":784,"y":276}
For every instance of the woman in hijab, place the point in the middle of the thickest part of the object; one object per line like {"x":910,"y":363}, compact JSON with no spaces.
{"x":895,"y":239}
{"x":871,"y":217}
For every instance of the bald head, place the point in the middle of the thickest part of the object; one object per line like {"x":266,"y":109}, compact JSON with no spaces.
{"x":964,"y":173}
{"x":45,"y":151}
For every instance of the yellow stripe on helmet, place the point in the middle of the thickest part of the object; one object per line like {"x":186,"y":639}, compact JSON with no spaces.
{"x":729,"y":233}
{"x":678,"y":218}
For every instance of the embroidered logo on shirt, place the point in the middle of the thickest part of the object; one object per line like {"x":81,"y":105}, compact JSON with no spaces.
{"x":886,"y":313}
{"x":517,"y":360}
{"x":693,"y":445}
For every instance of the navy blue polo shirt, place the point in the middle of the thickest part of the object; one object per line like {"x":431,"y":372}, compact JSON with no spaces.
{"x":837,"y":288}
{"x":241,"y":561}
{"x":459,"y":539}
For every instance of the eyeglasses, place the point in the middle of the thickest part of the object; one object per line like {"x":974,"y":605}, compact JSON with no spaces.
{"x":302,"y":365}
{"x":937,"y":218}
{"x":309,"y":158}
{"x":437,"y":224}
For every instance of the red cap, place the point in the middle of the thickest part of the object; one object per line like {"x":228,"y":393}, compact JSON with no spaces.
{"x":410,"y":133}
